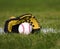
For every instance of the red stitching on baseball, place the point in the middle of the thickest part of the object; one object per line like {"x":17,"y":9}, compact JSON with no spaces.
{"x":23,"y":27}
{"x":29,"y":27}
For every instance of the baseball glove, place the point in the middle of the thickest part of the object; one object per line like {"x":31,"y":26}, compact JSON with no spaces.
{"x":13,"y":23}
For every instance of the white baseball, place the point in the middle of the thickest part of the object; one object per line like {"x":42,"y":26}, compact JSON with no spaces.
{"x":25,"y":28}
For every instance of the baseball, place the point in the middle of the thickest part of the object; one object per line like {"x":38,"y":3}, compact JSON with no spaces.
{"x":25,"y":28}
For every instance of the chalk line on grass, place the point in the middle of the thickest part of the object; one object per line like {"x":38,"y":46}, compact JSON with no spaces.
{"x":49,"y":30}
{"x":1,"y":31}
{"x":43,"y":30}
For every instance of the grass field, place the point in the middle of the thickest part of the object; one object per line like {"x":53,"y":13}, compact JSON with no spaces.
{"x":47,"y":12}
